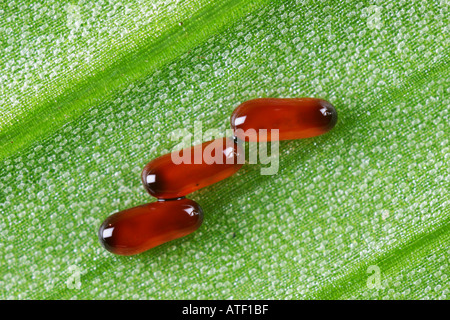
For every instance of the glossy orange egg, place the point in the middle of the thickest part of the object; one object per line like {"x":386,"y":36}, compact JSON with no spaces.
{"x":141,"y":228}
{"x":294,"y":118}
{"x":182,"y":172}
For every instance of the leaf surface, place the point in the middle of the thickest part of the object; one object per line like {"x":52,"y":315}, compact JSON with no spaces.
{"x":93,"y":90}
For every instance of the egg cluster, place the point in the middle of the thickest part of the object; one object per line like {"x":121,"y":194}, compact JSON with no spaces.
{"x":172,"y":176}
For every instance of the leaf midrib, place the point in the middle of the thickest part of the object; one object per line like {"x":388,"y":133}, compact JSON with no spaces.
{"x":74,"y":101}
{"x":349,"y":282}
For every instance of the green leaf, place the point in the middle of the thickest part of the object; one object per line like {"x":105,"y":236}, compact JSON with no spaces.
{"x":92,"y":91}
